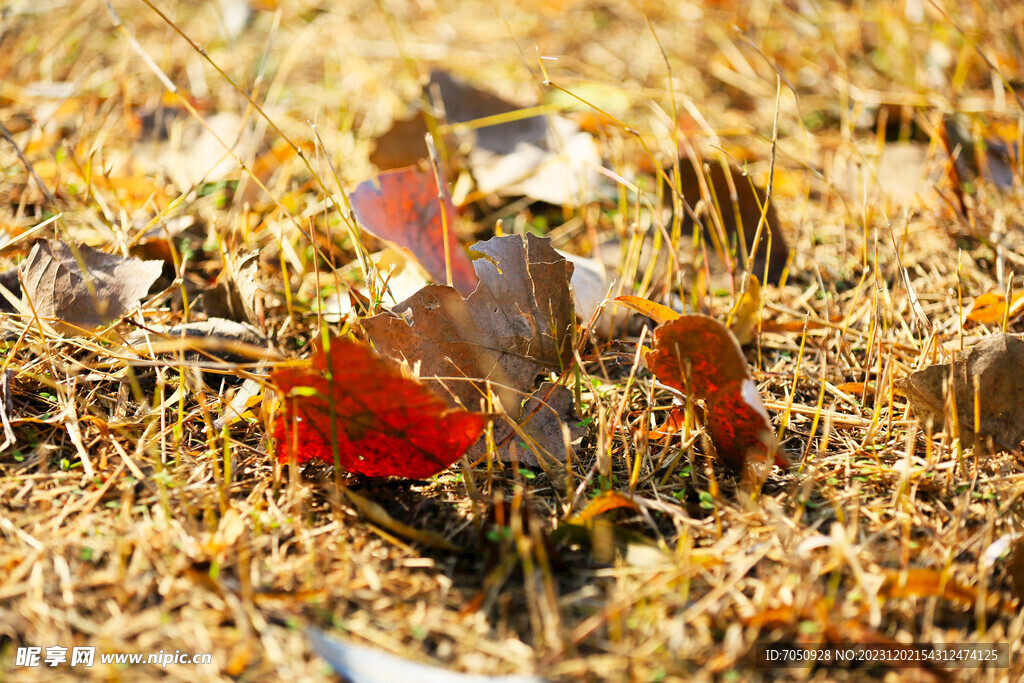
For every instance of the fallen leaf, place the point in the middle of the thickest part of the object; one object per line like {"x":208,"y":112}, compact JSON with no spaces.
{"x":402,"y":206}
{"x":991,"y":308}
{"x":1015,"y":568}
{"x":857,"y":388}
{"x":263,"y":169}
{"x":990,"y":158}
{"x":382,"y":424}
{"x":897,"y":175}
{"x":602,"y":503}
{"x":560,"y":169}
{"x":82,"y":286}
{"x":167,"y":236}
{"x":235,"y":296}
{"x":198,"y":152}
{"x":934,"y":583}
{"x":699,"y":351}
{"x":516,"y":325}
{"x":241,"y":403}
{"x":546,"y":158}
{"x":740,"y":215}
{"x":589,"y":284}
{"x":548,"y":418}
{"x":402,"y":145}
{"x":747,"y":311}
{"x":997,"y":365}
{"x":508,"y":151}
{"x":463,"y":103}
{"x":926,"y":583}
{"x":673,"y":424}
{"x":787,"y":326}
{"x":228,"y":340}
{"x":659,"y":313}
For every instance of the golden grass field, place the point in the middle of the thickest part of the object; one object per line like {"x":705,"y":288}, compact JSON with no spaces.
{"x":135,"y":517}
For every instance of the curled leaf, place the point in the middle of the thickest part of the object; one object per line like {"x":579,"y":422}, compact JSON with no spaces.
{"x":699,"y":355}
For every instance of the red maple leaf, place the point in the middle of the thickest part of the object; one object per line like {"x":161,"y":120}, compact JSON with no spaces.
{"x":402,"y":206}
{"x":378,"y":422}
{"x":697,"y":354}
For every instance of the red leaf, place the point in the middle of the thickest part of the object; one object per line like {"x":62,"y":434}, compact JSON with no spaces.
{"x":401,"y":206}
{"x":704,"y":350}
{"x":385,"y":425}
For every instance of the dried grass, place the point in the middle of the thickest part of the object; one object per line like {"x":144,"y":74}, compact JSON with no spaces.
{"x":132,"y":522}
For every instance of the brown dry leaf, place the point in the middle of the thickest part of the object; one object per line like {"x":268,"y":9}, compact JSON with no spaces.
{"x":1015,"y":567}
{"x":741,"y":218}
{"x":198,"y":153}
{"x":589,"y":284}
{"x":516,"y":325}
{"x":900,"y":174}
{"x":235,"y":296}
{"x":459,"y":103}
{"x":82,"y":286}
{"x":162,"y":239}
{"x":463,"y":103}
{"x":402,"y":145}
{"x":547,"y":158}
{"x":997,"y":365}
{"x":214,"y":337}
{"x":990,"y":158}
{"x":543,"y":417}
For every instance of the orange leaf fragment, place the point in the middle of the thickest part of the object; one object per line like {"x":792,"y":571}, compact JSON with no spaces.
{"x":672,"y":425}
{"x":606,"y":501}
{"x":382,"y":423}
{"x":401,"y":206}
{"x":697,"y":354}
{"x":932,"y":583}
{"x":659,"y":313}
{"x":991,"y":308}
{"x":857,"y":388}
